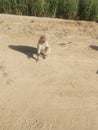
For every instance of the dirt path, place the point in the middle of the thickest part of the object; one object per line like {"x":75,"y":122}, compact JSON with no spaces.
{"x":58,"y":93}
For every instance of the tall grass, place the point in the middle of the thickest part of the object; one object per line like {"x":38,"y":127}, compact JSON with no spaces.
{"x":88,"y":9}
{"x":67,"y":9}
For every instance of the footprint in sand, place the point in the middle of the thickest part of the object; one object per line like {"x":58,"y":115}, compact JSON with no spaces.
{"x":2,"y":68}
{"x":5,"y":74}
{"x":9,"y":81}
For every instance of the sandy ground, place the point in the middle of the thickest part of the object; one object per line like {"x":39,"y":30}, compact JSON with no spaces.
{"x":56,"y":93}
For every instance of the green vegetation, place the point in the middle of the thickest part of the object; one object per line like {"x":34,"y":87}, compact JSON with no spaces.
{"x":88,"y":9}
{"x":67,"y":9}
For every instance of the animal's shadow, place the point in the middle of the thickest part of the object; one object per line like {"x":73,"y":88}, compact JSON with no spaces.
{"x":29,"y":51}
{"x":94,"y":47}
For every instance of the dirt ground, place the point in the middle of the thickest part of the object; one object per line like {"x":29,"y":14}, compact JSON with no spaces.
{"x":56,"y":93}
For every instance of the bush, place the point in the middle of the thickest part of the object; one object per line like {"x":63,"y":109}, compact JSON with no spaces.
{"x":88,"y":9}
{"x":67,"y":9}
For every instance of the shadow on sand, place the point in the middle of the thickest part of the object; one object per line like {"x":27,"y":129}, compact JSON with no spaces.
{"x":94,"y":47}
{"x":29,"y":51}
